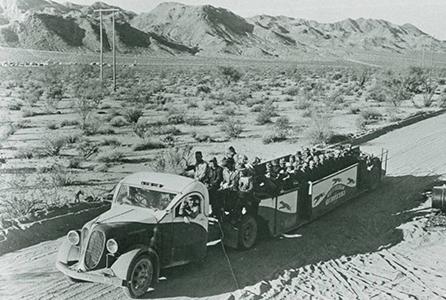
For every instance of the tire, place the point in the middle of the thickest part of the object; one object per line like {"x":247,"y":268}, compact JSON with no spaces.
{"x":139,"y":277}
{"x":247,"y":234}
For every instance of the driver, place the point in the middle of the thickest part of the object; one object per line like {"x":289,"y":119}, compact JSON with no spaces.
{"x":190,"y":208}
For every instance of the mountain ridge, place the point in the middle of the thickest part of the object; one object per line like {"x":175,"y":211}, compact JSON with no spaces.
{"x":173,"y":28}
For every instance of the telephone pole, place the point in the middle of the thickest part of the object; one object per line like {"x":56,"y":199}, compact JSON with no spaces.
{"x":113,"y":11}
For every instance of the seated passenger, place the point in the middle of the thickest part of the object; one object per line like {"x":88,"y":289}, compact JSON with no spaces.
{"x":230,"y":177}
{"x":245,"y":182}
{"x":200,"y":167}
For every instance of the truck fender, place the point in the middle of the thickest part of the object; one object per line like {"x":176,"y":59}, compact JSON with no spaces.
{"x":121,"y":266}
{"x":68,"y":253}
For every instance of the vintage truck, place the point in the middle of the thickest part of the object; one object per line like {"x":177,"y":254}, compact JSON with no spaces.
{"x":146,"y":229}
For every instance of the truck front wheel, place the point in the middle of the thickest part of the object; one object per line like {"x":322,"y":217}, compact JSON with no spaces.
{"x":247,"y":234}
{"x":139,"y":276}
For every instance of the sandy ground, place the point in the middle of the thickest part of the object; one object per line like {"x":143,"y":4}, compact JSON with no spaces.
{"x":377,"y":246}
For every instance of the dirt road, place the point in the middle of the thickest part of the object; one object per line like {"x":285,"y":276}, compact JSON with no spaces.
{"x":374,"y":247}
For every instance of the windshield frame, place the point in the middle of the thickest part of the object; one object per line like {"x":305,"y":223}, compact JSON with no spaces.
{"x":161,"y":192}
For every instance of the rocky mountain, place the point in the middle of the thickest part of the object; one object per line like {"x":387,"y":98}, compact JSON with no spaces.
{"x":48,"y":25}
{"x":174,"y":28}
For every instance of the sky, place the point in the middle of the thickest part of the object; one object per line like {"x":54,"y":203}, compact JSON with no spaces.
{"x":428,"y":15}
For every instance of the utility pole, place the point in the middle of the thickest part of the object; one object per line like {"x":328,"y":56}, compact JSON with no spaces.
{"x":114,"y":54}
{"x":113,"y":11}
{"x":102,"y":48}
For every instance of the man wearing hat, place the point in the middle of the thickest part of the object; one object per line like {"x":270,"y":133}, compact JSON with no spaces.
{"x":200,"y":168}
{"x":214,"y":179}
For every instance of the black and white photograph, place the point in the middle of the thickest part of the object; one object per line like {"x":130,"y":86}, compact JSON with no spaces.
{"x":223,"y":149}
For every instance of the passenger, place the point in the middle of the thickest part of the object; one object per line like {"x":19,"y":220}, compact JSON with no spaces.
{"x":256,"y":161}
{"x":248,"y":165}
{"x":270,"y":172}
{"x":229,"y":176}
{"x":230,"y":156}
{"x":214,"y":179}
{"x":245,"y":182}
{"x":200,"y":168}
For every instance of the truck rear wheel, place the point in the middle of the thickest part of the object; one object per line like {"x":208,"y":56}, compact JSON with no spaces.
{"x":139,"y":277}
{"x":247,"y":234}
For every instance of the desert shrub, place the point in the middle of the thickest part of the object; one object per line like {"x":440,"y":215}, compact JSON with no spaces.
{"x":174,"y":160}
{"x":148,"y":144}
{"x":441,"y":102}
{"x":376,"y":93}
{"x":111,"y":142}
{"x":228,"y":111}
{"x":111,"y":156}
{"x":361,"y":123}
{"x":60,"y":176}
{"x":118,"y":121}
{"x":15,"y":105}
{"x":320,"y":130}
{"x":256,"y":108}
{"x":371,"y":114}
{"x":292,"y":91}
{"x":52,"y":95}
{"x":74,"y":163}
{"x":132,"y":115}
{"x":22,"y":124}
{"x":282,"y":126}
{"x":28,"y":112}
{"x":264,"y":117}
{"x":230,"y":74}
{"x":87,"y":148}
{"x":53,"y":144}
{"x":65,"y":123}
{"x":354,"y":109}
{"x":72,"y":138}
{"x":7,"y":130}
{"x":24,"y":153}
{"x":92,"y":126}
{"x":166,"y":130}
{"x":175,"y":119}
{"x":52,"y":126}
{"x":193,"y":121}
{"x":208,"y":106}
{"x":202,"y":137}
{"x":303,"y":103}
{"x":220,"y":119}
{"x":232,"y":129}
{"x":272,"y":137}
{"x":105,"y":130}
{"x":16,"y":206}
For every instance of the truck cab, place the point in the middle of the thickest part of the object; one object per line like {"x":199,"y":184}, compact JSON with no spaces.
{"x":147,"y":228}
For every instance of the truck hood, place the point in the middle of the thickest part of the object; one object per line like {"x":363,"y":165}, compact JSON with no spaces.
{"x":129,"y":214}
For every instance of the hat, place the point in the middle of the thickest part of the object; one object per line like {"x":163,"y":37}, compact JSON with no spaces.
{"x":239,"y":166}
{"x":214,"y":160}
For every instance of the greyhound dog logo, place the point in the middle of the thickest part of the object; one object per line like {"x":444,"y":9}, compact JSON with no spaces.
{"x":336,"y":180}
{"x":318,"y":199}
{"x":284,"y":205}
{"x":351,"y":181}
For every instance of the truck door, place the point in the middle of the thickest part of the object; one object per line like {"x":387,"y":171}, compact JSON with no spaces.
{"x":190,"y":229}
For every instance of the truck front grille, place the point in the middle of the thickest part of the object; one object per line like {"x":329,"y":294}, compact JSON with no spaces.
{"x":94,"y":250}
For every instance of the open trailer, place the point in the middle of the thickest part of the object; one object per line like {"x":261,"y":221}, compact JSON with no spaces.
{"x":146,"y":229}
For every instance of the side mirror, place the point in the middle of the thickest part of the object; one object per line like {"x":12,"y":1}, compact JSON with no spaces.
{"x":109,"y":198}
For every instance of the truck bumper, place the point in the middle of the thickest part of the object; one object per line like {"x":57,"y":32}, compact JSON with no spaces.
{"x":105,"y":276}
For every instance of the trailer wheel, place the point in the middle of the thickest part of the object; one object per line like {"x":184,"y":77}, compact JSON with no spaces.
{"x":139,"y":277}
{"x":247,"y":235}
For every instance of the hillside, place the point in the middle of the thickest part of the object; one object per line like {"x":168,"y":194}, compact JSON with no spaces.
{"x":47,"y":25}
{"x":177,"y":29}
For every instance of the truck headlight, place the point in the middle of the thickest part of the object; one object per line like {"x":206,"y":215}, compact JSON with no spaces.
{"x":112,"y":246}
{"x":73,"y":237}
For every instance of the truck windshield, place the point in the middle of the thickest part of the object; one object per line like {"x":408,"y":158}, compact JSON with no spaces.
{"x":136,"y":196}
